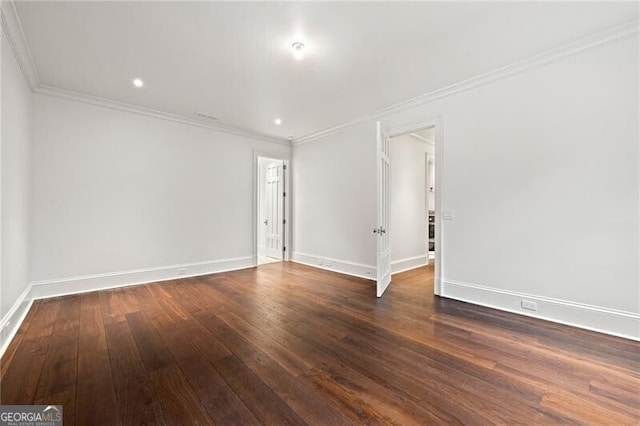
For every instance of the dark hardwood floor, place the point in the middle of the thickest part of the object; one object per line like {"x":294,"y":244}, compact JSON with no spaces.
{"x":290,"y":344}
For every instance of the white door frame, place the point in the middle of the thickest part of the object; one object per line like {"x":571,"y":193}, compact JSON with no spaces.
{"x":435,"y":122}
{"x":286,"y":175}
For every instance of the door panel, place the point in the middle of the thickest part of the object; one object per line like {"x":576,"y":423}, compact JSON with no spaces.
{"x":274,"y":207}
{"x":383,"y":216}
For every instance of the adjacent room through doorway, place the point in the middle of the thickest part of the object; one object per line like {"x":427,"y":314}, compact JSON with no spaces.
{"x":412,"y":198}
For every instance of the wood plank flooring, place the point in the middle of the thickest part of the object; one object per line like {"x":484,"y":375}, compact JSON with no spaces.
{"x":288,"y":344}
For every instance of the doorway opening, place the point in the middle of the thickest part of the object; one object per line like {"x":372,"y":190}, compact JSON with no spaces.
{"x":408,"y":200}
{"x":271,"y":210}
{"x":412,"y":198}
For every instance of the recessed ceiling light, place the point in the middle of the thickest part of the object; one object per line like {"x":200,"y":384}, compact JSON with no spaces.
{"x":298,"y":50}
{"x":137,"y":82}
{"x":277,"y":121}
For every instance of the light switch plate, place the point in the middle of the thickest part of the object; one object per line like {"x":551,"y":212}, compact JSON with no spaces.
{"x":447,"y":215}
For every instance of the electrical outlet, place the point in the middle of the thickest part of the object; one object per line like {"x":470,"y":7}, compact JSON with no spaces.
{"x":327,"y":263}
{"x":182,"y":271}
{"x":529,"y":305}
{"x":320,"y":262}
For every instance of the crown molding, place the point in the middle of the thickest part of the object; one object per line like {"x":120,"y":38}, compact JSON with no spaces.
{"x":14,"y":32}
{"x":591,"y":41}
{"x":149,"y":112}
{"x":12,"y":28}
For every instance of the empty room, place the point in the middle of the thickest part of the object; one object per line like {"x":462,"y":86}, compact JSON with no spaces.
{"x":325,"y":213}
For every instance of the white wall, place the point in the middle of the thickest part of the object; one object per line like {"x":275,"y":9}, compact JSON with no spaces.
{"x":408,"y":196}
{"x":528,"y":162}
{"x":334,"y":207}
{"x":524,"y":160}
{"x":16,"y":150}
{"x":117,"y":191}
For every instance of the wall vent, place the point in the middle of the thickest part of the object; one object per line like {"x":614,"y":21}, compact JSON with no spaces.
{"x":206,"y":116}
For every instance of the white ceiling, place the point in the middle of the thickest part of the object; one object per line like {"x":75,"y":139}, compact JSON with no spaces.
{"x":233,"y":60}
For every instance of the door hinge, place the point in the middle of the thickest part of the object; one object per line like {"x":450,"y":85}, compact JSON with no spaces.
{"x":284,"y":194}
{"x":284,"y":249}
{"x":284,"y":221}
{"x":284,"y":167}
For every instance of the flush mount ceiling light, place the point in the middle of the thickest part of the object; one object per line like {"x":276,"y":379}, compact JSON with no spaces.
{"x":277,"y":121}
{"x":298,"y":50}
{"x":138,"y":83}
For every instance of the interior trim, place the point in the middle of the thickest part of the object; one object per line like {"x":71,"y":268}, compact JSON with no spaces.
{"x":409,"y":263}
{"x":580,"y":315}
{"x":346,"y":267}
{"x":12,"y":28}
{"x":14,"y":32}
{"x":552,"y":55}
{"x":11,"y":322}
{"x":87,"y":283}
{"x":43,"y":89}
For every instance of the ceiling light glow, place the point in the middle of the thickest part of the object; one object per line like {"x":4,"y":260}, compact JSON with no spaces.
{"x":137,"y":82}
{"x":298,"y":50}
{"x":277,"y":121}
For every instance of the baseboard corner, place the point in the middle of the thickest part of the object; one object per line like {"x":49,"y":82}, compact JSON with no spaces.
{"x":106,"y":281}
{"x":409,"y":263}
{"x":11,"y":322}
{"x":346,"y":267}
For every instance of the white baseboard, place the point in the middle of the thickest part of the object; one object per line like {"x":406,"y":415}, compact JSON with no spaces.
{"x":408,"y":263}
{"x":330,"y":264}
{"x":12,"y":321}
{"x":83,"y":284}
{"x":595,"y":318}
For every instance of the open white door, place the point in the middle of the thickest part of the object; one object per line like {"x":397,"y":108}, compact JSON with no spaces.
{"x":274,"y":205}
{"x":384,"y":252}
